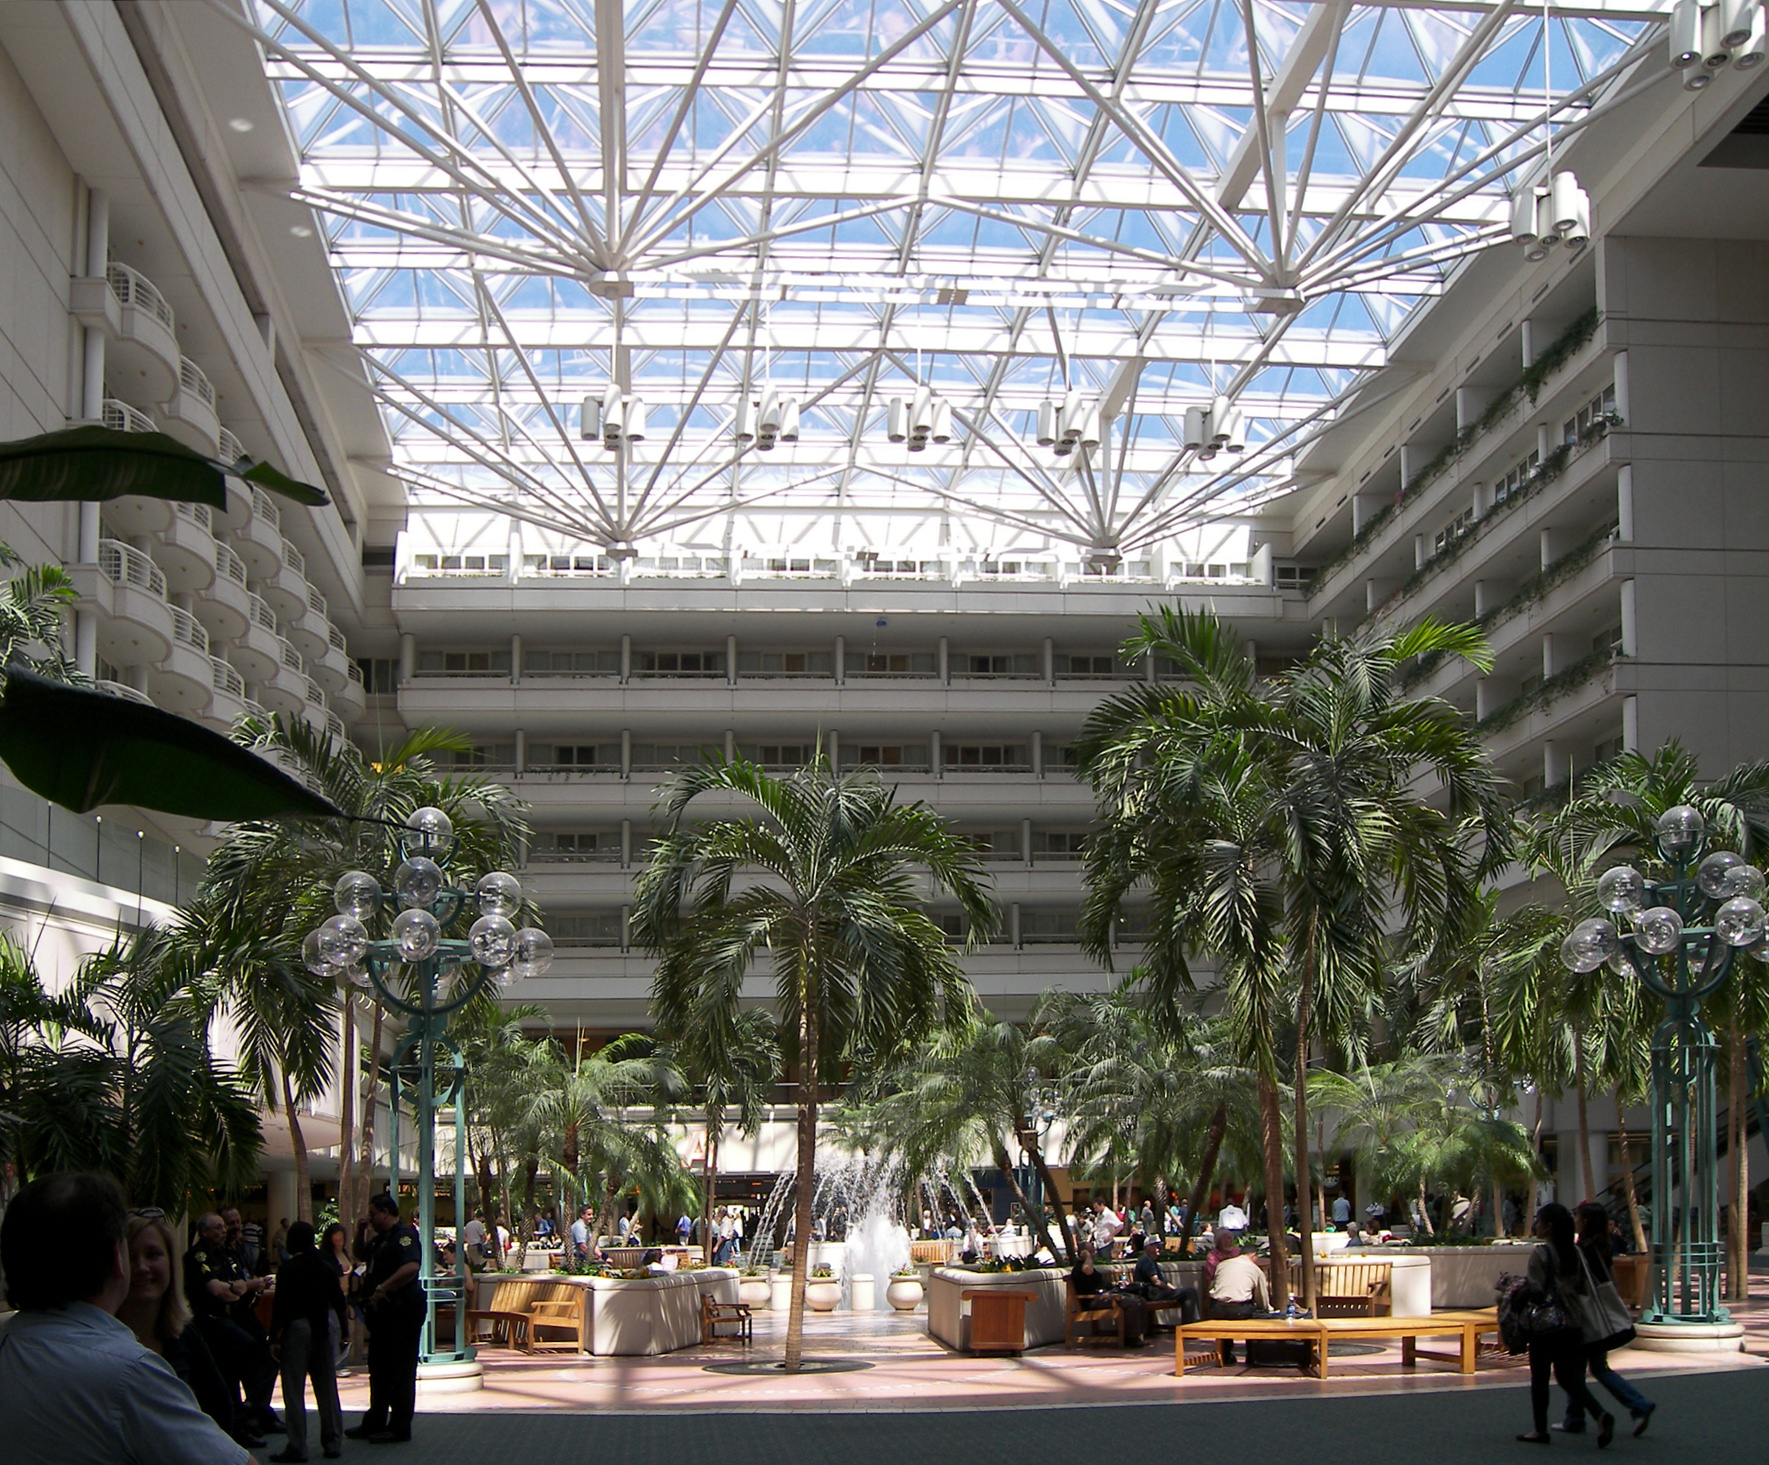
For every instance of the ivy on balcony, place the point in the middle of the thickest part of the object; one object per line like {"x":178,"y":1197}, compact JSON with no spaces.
{"x":1550,"y":692}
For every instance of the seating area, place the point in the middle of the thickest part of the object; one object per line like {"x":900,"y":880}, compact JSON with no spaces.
{"x":716,"y":1315}
{"x":1348,"y":1289}
{"x":532,"y":1313}
{"x":1467,"y":1328}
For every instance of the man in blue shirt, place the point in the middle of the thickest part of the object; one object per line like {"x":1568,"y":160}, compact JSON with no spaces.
{"x":76,"y":1388}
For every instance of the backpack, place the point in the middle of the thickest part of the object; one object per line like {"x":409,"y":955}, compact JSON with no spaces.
{"x":1528,"y":1314}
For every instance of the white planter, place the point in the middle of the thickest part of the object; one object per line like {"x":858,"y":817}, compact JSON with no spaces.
{"x":780,"y":1292}
{"x":754,"y":1290}
{"x":862,"y":1294}
{"x":823,"y":1295}
{"x":904,"y":1293}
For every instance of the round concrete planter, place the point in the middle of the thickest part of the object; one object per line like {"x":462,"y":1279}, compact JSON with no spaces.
{"x":823,"y":1294}
{"x":904,"y":1293}
{"x":862,"y":1292}
{"x":1689,"y":1337}
{"x":754,"y":1290}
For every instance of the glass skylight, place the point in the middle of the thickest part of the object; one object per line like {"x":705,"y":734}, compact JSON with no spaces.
{"x":1003,"y":200}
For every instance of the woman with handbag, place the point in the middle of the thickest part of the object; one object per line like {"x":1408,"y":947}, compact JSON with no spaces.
{"x":1556,"y":1343}
{"x":1607,"y":1323}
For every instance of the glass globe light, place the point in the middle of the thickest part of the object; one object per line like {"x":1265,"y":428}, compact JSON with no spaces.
{"x":1622,"y":890}
{"x":1744,"y":880}
{"x":1619,"y":963}
{"x":356,"y":974}
{"x":1590,"y":944}
{"x":416,"y":934}
{"x":418,"y":882}
{"x":312,"y":957}
{"x":342,"y":940}
{"x":357,"y":893}
{"x":499,"y":894}
{"x":493,"y":941}
{"x":429,"y":832}
{"x":1739,"y":922}
{"x":1679,"y":832}
{"x":534,"y":953}
{"x":1711,"y":874}
{"x":1659,"y":930}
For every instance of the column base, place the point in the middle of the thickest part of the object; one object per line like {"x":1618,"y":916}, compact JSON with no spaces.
{"x":1725,"y":1337}
{"x":451,"y":1378}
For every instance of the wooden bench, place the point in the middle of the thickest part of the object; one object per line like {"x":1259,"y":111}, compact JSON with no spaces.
{"x":1466,"y":1327}
{"x":560,"y":1307}
{"x":508,"y":1315}
{"x":1348,"y":1289}
{"x":716,"y":1315}
{"x":1091,"y":1323}
{"x":937,"y":1252}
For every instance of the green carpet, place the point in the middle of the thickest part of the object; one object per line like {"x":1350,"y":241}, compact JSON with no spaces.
{"x":1703,"y":1419}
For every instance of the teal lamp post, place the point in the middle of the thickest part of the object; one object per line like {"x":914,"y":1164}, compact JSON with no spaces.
{"x":425,"y":975}
{"x":1685,"y":933}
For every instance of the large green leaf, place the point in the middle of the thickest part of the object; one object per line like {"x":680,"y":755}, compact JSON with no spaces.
{"x":80,"y":749}
{"x":95,"y":464}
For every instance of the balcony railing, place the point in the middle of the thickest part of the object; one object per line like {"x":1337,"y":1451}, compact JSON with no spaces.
{"x":199,"y":514}
{"x":315,"y":694}
{"x":226,"y":678}
{"x":338,"y":644}
{"x":262,"y":616}
{"x":125,"y":693}
{"x":121,"y":417}
{"x":123,"y":564}
{"x":335,"y":727}
{"x":351,"y":669}
{"x":187,"y":630}
{"x":257,"y":711}
{"x":294,"y":560}
{"x":291,"y":658}
{"x":316,"y":602}
{"x":131,"y":287}
{"x":229,"y":564}
{"x":192,"y":380}
{"x":228,"y":447}
{"x":264,"y":507}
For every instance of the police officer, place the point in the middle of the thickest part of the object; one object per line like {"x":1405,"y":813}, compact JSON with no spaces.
{"x":393,"y":1304}
{"x":218,"y":1289}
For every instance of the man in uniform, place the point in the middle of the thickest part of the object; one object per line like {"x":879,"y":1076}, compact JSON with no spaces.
{"x":219,"y":1290}
{"x":393,"y":1303}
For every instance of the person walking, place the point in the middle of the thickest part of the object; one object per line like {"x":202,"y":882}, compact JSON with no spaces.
{"x":303,"y":1320}
{"x":393,"y":1304}
{"x":1554,"y":1271}
{"x":1592,"y":1223}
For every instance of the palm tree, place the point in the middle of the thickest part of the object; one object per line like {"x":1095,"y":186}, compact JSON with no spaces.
{"x":268,"y":884}
{"x":828,"y":868}
{"x":1282,"y":826}
{"x":496,"y":1053}
{"x":32,"y":608}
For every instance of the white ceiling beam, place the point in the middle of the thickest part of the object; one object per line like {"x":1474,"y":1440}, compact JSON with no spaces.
{"x":1303,"y":55}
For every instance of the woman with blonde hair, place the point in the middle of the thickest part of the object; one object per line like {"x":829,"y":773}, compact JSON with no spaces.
{"x":157,"y":1313}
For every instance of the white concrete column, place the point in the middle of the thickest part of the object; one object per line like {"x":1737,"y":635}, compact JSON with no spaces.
{"x":1420,"y":553}
{"x":1548,"y":660}
{"x":92,"y":374}
{"x":1250,"y":649}
{"x":521,"y":752}
{"x":1468,"y":408}
{"x":282,"y":1198}
{"x":1556,"y":763}
{"x":1529,"y":344}
{"x":1026,"y":842}
{"x":1630,"y":724}
{"x":626,"y":753}
{"x":1622,"y":394}
{"x":730,"y":745}
{"x":945,"y":662}
{"x":1544,"y":441}
{"x":935,"y":766}
{"x":835,"y":750}
{"x":86,"y":641}
{"x":1406,"y":464}
{"x":626,"y":844}
{"x":408,"y":657}
{"x":730,"y":661}
{"x":1549,"y":552}
{"x":1013,"y":924}
{"x":98,"y":239}
{"x":1038,"y":755}
{"x":1486,"y":699}
{"x":1484,"y":597}
{"x":1049,"y":662}
{"x":626,"y":660}
{"x":839,"y":664}
{"x":1630,"y":621}
{"x":136,"y":676}
{"x":1262,"y":568}
{"x":1481,"y":501}
{"x":1357,"y":513}
{"x":1624,"y":503}
{"x":89,"y":533}
{"x":1372,"y":595}
{"x":626,"y":928}
{"x":515,"y":660}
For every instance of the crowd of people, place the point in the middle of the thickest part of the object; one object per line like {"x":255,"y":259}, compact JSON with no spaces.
{"x":135,"y":1346}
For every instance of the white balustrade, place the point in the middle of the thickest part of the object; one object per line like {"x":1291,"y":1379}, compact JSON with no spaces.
{"x":123,"y":564}
{"x":121,"y":417}
{"x":187,"y":630}
{"x":226,"y":678}
{"x":192,"y":380}
{"x":131,"y":287}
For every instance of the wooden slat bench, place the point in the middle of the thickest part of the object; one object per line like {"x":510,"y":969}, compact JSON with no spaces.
{"x":1466,"y":1327}
{"x":1348,"y":1289}
{"x":716,"y":1315}
{"x":560,"y":1307}
{"x":1092,"y":1323}
{"x":508,"y":1315}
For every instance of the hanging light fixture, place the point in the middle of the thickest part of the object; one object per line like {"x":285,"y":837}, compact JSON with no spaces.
{"x":1073,"y":423}
{"x":919,"y":420}
{"x":616,"y":418}
{"x":1214,"y":428}
{"x":769,"y":420}
{"x":1545,"y":214}
{"x":1705,"y":39}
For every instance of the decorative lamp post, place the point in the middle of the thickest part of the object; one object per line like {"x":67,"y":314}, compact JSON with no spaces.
{"x":418,"y":971}
{"x":1685,"y":933}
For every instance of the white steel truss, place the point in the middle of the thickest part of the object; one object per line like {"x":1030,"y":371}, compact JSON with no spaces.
{"x":1150,"y":202}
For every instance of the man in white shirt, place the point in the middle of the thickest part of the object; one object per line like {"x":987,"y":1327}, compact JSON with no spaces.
{"x":1106,"y":1225}
{"x":473,"y":1240}
{"x":1238,"y":1288}
{"x":76,"y":1388}
{"x":582,"y":1243}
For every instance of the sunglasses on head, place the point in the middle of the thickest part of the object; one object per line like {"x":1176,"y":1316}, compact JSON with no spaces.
{"x":148,"y":1213}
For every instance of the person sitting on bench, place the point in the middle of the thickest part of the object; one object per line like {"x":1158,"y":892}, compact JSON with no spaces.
{"x":1091,"y":1284}
{"x":1155,"y":1287}
{"x":1238,"y":1289}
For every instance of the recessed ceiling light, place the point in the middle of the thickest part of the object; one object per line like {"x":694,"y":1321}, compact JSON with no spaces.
{"x":241,"y":124}
{"x":300,"y":231}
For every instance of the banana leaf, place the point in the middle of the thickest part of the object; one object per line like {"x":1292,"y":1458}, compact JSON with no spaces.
{"x":95,"y":464}
{"x":81,"y":748}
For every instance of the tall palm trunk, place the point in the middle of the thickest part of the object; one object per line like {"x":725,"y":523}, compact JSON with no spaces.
{"x":1066,"y":1223}
{"x":347,"y":1079}
{"x":1738,"y":1241}
{"x":1304,"y":1198}
{"x":807,"y":1173}
{"x":1271,"y":1134}
{"x":1535,"y":1144}
{"x":1035,"y":1215}
{"x":709,"y":1168}
{"x":1578,"y":1070}
{"x":298,"y":1142}
{"x":1206,"y":1170}
{"x":1635,"y":1226}
{"x":365,"y":1169}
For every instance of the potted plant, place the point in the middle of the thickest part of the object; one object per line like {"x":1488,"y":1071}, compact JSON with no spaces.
{"x":822,"y":1291}
{"x":753,"y":1286}
{"x":904,"y":1290}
